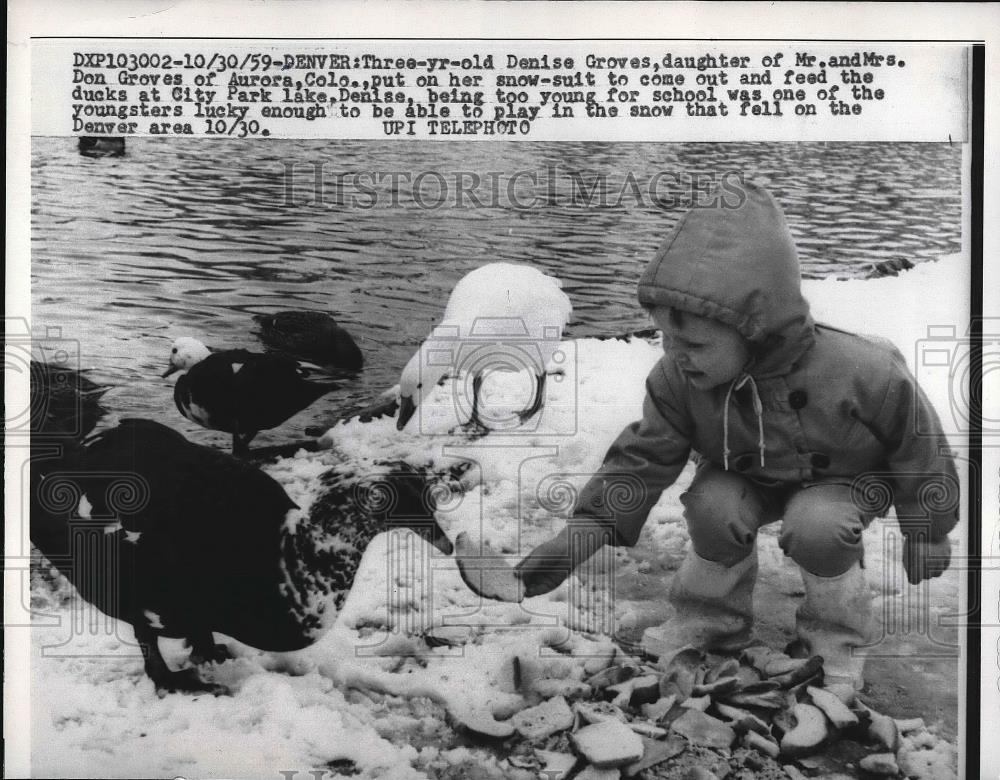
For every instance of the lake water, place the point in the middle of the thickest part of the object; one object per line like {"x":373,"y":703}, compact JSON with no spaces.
{"x":193,"y":237}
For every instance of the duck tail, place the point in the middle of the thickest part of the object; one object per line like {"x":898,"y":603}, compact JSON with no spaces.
{"x":312,"y":368}
{"x":320,"y":376}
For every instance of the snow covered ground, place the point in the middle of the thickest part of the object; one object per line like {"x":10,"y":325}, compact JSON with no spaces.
{"x":372,"y":697}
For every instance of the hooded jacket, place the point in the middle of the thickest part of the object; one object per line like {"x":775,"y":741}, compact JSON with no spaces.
{"x":814,"y":405}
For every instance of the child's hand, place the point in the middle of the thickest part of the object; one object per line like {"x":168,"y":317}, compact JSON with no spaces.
{"x":924,"y":559}
{"x":549,"y":564}
{"x":545,"y":568}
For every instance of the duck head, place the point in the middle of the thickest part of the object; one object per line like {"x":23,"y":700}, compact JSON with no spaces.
{"x":185,"y":353}
{"x":409,"y":498}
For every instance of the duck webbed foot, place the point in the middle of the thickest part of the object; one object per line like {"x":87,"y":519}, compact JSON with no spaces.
{"x":474,"y":429}
{"x":187,"y":681}
{"x":164,"y":678}
{"x":204,"y":650}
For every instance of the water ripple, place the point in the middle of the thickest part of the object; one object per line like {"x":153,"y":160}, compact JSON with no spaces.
{"x":193,"y":237}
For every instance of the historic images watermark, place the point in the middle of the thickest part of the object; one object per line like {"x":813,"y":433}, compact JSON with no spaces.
{"x":326,"y":183}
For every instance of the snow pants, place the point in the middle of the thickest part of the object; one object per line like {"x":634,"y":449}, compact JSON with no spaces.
{"x":821,"y":526}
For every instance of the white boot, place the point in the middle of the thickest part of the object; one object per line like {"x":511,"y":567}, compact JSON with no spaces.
{"x":834,"y":621}
{"x":713,"y":608}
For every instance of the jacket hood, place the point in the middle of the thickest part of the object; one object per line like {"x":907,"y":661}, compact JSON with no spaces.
{"x":735,"y":262}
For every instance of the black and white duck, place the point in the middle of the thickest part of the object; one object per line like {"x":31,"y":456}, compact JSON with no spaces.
{"x":182,"y":541}
{"x":242,"y":392}
{"x":311,"y":336}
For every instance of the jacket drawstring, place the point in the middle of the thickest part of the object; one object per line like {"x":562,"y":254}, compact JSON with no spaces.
{"x":758,"y":409}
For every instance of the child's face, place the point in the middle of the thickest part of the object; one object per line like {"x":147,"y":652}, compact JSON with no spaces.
{"x":708,"y":352}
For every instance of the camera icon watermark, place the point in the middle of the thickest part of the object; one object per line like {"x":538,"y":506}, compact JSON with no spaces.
{"x":52,"y":364}
{"x":966,"y":370}
{"x":504,"y":376}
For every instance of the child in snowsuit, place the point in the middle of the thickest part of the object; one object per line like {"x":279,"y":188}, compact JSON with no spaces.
{"x":786,"y":415}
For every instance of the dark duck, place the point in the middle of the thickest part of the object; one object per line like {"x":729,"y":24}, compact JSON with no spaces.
{"x":311,"y":336}
{"x":64,"y":402}
{"x":242,"y":392}
{"x":101,"y":146}
{"x":183,"y":541}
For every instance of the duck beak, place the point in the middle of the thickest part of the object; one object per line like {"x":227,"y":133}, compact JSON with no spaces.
{"x":440,"y":540}
{"x":406,"y":411}
{"x":168,"y":372}
{"x":96,"y":394}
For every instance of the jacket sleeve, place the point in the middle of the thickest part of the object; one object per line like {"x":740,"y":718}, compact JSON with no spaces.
{"x":645,"y":459}
{"x":924,"y":479}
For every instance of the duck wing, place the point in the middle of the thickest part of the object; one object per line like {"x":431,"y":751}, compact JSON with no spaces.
{"x":210,"y":532}
{"x":500,"y":290}
{"x":288,"y":329}
{"x":270,"y":388}
{"x":193,"y":487}
{"x":293,"y":323}
{"x":207,"y":393}
{"x":509,"y":302}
